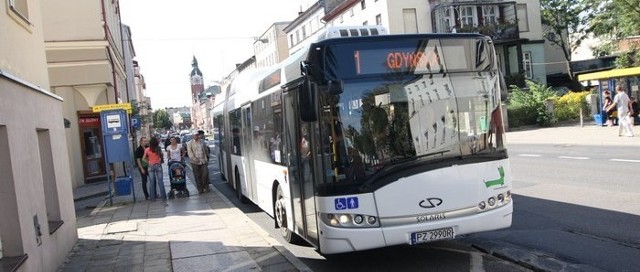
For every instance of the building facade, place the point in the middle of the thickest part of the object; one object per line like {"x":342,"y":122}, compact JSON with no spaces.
{"x":38,"y":225}
{"x":180,"y":117}
{"x":85,"y":55}
{"x":270,"y":48}
{"x":142,"y":103}
{"x":515,"y":27}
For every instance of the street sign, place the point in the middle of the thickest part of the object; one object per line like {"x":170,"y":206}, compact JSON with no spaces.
{"x":136,"y":122}
{"x":122,"y":106}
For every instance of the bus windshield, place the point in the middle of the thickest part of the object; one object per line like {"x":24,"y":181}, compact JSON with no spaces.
{"x":384,"y":124}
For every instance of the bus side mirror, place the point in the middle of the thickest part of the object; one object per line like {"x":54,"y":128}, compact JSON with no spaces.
{"x":335,"y":87}
{"x":307,"y":100}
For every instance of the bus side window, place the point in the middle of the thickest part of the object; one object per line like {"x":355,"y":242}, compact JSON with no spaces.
{"x":236,"y":141}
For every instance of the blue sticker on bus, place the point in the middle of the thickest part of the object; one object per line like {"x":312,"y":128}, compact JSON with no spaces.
{"x":352,"y":202}
{"x":341,"y":203}
{"x":346,"y":203}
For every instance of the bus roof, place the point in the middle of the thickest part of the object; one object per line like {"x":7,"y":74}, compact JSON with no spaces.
{"x":255,"y":83}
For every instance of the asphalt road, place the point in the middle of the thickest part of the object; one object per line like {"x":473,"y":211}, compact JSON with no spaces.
{"x":573,"y":204}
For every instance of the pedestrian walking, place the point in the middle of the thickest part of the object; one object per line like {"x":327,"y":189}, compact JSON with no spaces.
{"x":143,"y":166}
{"x":198,"y":152}
{"x":153,"y":154}
{"x":623,"y":104}
{"x":608,"y":109}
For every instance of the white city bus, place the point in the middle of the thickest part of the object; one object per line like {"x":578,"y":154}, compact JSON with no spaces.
{"x":364,"y":141}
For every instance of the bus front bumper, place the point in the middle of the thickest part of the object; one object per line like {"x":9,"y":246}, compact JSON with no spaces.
{"x":338,"y":240}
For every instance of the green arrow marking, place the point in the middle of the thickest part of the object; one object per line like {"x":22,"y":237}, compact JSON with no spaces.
{"x":495,"y":182}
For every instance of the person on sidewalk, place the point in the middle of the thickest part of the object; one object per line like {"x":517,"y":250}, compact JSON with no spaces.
{"x":175,"y":152}
{"x":198,"y":152}
{"x":608,"y":109}
{"x":623,"y":104}
{"x":143,"y":166}
{"x":635,"y":110}
{"x":153,"y":154}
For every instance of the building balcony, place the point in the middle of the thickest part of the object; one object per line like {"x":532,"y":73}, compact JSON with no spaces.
{"x":497,"y":31}
{"x":498,"y":20}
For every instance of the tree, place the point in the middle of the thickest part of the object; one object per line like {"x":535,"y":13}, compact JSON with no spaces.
{"x":612,"y":21}
{"x":161,"y":119}
{"x":566,"y":25}
{"x":615,"y":18}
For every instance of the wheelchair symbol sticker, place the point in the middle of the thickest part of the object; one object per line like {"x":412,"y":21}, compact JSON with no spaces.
{"x":346,"y":203}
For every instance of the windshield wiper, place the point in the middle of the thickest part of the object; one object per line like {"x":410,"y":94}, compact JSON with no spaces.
{"x":397,"y":161}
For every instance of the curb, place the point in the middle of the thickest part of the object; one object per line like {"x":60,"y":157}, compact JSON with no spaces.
{"x":84,"y":197}
{"x":299,"y":265}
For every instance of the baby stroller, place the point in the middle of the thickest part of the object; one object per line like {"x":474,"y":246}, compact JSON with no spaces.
{"x":178,"y":179}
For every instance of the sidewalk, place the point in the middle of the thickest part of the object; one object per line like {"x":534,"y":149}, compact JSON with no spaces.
{"x":204,"y":232}
{"x":573,"y":134}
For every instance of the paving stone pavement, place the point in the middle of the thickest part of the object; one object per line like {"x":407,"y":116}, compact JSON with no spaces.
{"x":204,"y":232}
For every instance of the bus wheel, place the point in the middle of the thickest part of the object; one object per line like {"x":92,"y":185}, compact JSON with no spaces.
{"x":239,"y":188}
{"x":281,"y":217}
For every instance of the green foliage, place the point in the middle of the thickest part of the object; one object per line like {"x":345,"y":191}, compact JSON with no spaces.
{"x":526,"y":107}
{"x":566,"y":24}
{"x":161,"y":120}
{"x":568,"y":106}
{"x":614,"y":19}
{"x":629,"y":59}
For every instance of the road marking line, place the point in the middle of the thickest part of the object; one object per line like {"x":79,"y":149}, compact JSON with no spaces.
{"x":573,"y":158}
{"x":476,"y":264}
{"x":529,"y":155}
{"x":623,"y":160}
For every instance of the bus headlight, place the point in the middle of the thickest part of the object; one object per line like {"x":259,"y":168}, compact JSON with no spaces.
{"x":494,"y":201}
{"x":346,"y":220}
{"x":491,"y":201}
{"x":372,"y":220}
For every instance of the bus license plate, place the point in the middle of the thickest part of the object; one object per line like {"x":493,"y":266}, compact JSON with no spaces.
{"x":432,"y":235}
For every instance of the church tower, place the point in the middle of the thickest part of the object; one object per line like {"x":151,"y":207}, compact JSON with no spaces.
{"x":197,"y":84}
{"x":197,"y":87}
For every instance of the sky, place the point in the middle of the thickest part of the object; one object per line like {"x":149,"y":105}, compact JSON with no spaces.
{"x":219,"y":33}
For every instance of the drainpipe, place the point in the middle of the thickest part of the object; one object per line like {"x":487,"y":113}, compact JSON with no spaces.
{"x":106,"y":37}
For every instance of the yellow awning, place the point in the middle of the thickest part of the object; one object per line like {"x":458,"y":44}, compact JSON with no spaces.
{"x":615,"y":73}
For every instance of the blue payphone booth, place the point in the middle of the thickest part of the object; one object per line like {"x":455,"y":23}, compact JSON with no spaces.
{"x":115,"y":130}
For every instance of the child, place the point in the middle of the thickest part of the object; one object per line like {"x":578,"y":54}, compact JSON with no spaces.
{"x":177,"y":173}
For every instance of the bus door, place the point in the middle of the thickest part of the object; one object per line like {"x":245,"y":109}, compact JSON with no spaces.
{"x":300,"y":161}
{"x":247,"y":131}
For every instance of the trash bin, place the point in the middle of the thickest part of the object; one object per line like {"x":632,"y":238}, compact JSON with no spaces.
{"x":598,"y":119}
{"x":123,"y":186}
